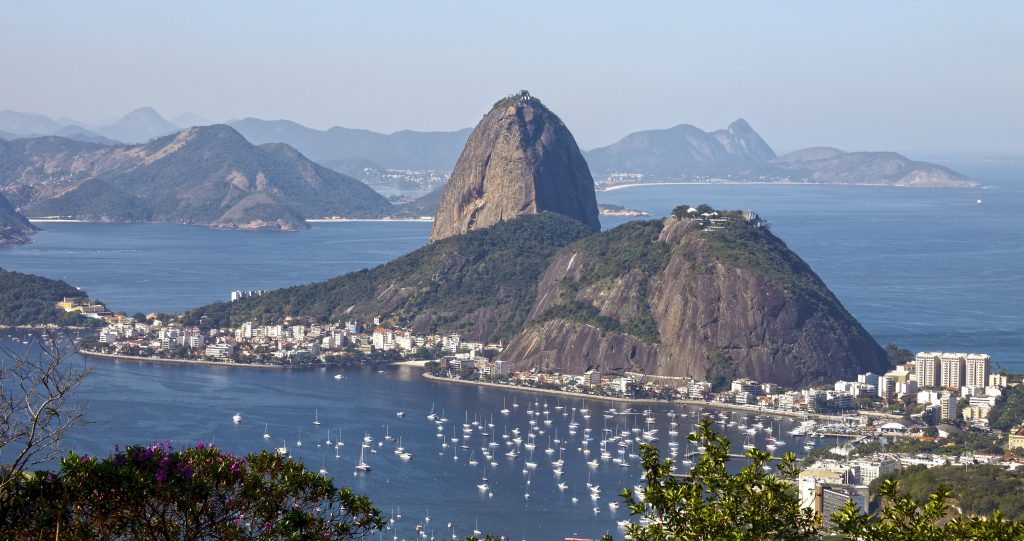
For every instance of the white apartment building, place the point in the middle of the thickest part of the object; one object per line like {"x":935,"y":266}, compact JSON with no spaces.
{"x":976,"y":370}
{"x":926,"y":368}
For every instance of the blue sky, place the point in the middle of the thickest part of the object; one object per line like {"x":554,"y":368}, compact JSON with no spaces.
{"x":909,"y":76}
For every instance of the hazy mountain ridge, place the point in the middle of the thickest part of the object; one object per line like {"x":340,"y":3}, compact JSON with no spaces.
{"x":138,"y":126}
{"x":405,"y":149}
{"x":685,"y":152}
{"x":682,"y":152}
{"x":205,"y":176}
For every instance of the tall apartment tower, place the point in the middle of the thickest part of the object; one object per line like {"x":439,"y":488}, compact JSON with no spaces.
{"x":948,"y":407}
{"x":952,"y":370}
{"x":927,"y":369}
{"x":976,"y":370}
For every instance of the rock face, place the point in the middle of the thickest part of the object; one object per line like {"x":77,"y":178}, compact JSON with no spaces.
{"x":673,"y":298}
{"x":520,"y":159}
{"x":14,"y":228}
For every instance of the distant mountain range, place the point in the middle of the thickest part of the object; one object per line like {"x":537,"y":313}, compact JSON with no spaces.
{"x":685,"y":152}
{"x":214,"y":176}
{"x":138,"y":126}
{"x":682,"y":152}
{"x":206,"y":176}
{"x":400,"y":150}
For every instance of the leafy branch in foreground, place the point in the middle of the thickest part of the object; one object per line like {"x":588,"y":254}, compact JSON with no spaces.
{"x":157,"y":492}
{"x":710,"y":503}
{"x":902,"y":517}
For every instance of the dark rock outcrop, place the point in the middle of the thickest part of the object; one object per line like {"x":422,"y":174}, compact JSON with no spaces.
{"x":14,"y":228}
{"x":520,"y":159}
{"x":681,"y":300}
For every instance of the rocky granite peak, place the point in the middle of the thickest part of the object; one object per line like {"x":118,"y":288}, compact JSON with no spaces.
{"x":520,"y":159}
{"x":712,"y":298}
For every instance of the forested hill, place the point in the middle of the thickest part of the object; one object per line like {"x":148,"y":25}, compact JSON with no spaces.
{"x":481,"y":284}
{"x":27,"y":299}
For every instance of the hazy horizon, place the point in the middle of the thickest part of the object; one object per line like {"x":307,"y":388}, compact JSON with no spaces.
{"x":910,"y":77}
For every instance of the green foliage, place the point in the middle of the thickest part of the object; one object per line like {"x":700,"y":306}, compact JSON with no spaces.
{"x":608,"y":257}
{"x":709,"y":503}
{"x":494,"y":269}
{"x":976,"y":490}
{"x":199,"y":493}
{"x":902,"y":517}
{"x":1009,"y":409}
{"x":898,"y":355}
{"x":26,"y":299}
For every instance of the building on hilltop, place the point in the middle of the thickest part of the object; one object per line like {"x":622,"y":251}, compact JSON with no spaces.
{"x":1016,"y":439}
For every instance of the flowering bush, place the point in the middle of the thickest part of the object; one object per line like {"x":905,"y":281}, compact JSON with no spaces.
{"x":201,"y":492}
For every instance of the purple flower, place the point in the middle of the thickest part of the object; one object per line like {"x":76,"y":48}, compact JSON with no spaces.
{"x":200,"y":446}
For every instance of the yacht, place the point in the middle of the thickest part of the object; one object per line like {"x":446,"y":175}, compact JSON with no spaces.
{"x":362,"y":465}
{"x":237,"y":417}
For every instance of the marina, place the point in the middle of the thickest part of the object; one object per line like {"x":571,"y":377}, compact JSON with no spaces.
{"x":494,"y":454}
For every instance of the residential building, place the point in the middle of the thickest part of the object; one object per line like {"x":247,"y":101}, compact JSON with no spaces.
{"x":926,"y":369}
{"x":830,"y":498}
{"x":745,"y":386}
{"x":1016,"y":440}
{"x":948,"y":407}
{"x":886,"y":387}
{"x":869,"y":470}
{"x":976,"y":370}
{"x":952,"y":370}
{"x":869,"y":378}
{"x":220,"y":351}
{"x":997,"y":380}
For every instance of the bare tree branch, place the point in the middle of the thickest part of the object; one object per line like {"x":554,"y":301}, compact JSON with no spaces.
{"x":36,"y":410}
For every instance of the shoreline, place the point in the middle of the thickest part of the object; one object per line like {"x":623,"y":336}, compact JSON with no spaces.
{"x":424,"y":219}
{"x":176,"y":361}
{"x":682,"y":401}
{"x":723,"y":182}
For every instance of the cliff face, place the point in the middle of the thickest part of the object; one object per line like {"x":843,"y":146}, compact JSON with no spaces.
{"x":14,"y":228}
{"x":673,"y":298}
{"x":520,"y":159}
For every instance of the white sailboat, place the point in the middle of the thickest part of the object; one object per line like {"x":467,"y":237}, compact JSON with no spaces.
{"x":362,"y":465}
{"x":236,"y":418}
{"x":316,"y":417}
{"x":266,"y":434}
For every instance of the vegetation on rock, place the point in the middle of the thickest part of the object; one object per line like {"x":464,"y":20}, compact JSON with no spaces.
{"x":27,"y":299}
{"x":490,"y":272}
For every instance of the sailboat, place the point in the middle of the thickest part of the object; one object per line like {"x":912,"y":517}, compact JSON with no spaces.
{"x":504,"y":408}
{"x":362,"y":465}
{"x":237,"y":418}
{"x":266,"y":434}
{"x":316,"y":417}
